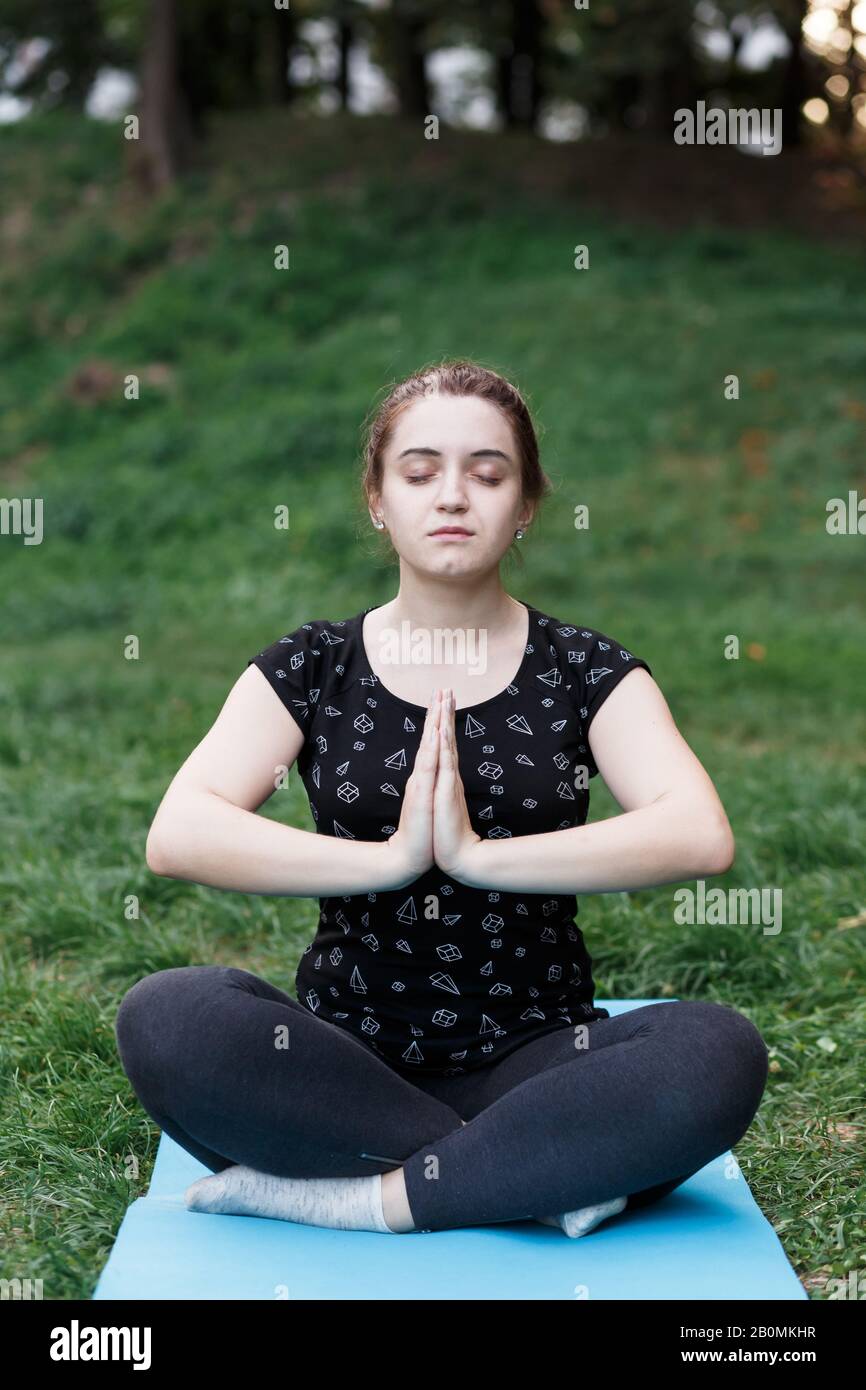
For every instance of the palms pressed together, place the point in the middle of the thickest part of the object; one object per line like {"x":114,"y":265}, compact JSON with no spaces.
{"x":434,"y":823}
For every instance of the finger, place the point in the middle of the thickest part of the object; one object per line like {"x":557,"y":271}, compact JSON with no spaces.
{"x":449,"y":720}
{"x":446,"y":754}
{"x":437,"y":715}
{"x":443,"y":787}
{"x":430,"y":741}
{"x":452,"y":743}
{"x":434,"y":733}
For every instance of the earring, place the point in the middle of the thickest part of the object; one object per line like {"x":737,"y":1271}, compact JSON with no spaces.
{"x":378,"y":525}
{"x":519,"y":533}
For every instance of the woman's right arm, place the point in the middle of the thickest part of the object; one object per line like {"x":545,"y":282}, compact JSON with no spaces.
{"x":206,"y":830}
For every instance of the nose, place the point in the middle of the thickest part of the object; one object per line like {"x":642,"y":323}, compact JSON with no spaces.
{"x":452,"y":491}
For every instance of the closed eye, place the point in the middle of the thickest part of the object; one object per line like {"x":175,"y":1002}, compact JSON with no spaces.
{"x":423,"y":478}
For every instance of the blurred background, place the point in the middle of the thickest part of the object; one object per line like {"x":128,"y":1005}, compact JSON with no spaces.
{"x":564,"y":69}
{"x":169,"y":388}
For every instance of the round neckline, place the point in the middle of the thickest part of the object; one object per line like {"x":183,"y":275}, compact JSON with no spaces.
{"x":461,"y":709}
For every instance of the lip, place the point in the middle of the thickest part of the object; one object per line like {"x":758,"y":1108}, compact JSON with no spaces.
{"x":453,"y":532}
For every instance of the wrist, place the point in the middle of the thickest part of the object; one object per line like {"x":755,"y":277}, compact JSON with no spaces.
{"x":396,"y":871}
{"x":469,"y":864}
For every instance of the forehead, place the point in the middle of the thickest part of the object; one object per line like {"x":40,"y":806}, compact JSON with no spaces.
{"x":451,"y":422}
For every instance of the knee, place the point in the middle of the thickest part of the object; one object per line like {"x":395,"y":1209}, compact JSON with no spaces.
{"x":743,"y":1043}
{"x":147,"y":1009}
{"x":138,"y":1015}
{"x":731,"y":1059}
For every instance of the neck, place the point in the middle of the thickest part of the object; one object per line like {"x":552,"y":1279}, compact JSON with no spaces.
{"x":448,"y":603}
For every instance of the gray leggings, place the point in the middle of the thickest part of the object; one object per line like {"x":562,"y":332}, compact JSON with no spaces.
{"x":236,"y":1071}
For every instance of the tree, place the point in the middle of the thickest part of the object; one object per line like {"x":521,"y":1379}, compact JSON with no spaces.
{"x":403,"y":37}
{"x":518,"y":66}
{"x":345,"y":19}
{"x":80,"y":42}
{"x":165,"y":143}
{"x":278,"y":40}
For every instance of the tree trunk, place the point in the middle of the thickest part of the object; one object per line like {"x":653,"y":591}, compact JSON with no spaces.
{"x":202,"y":37}
{"x":673,"y":87}
{"x":794,"y":79}
{"x":165,"y":141}
{"x":407,"y":23}
{"x":80,"y":39}
{"x":245,"y":48}
{"x":279,"y":36}
{"x":518,"y":69}
{"x":345,"y":38}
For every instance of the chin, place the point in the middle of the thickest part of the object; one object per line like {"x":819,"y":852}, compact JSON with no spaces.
{"x":453,"y":565}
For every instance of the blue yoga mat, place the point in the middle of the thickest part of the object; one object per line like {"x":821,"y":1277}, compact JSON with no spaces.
{"x":707,"y":1239}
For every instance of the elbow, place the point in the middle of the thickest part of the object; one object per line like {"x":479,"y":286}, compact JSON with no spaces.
{"x":154,"y":854}
{"x":721,"y":851}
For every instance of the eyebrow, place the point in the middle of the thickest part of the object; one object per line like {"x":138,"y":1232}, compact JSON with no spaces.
{"x":476,"y":453}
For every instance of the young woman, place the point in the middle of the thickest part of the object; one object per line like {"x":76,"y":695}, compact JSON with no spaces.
{"x":444,"y":1063}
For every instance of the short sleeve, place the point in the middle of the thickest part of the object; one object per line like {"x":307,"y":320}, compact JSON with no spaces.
{"x":601,"y":663}
{"x":289,"y":666}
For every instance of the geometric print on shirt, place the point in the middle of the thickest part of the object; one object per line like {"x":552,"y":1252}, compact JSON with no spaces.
{"x":438,"y":977}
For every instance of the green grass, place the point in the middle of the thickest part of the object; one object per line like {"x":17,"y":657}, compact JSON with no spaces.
{"x":707,"y":519}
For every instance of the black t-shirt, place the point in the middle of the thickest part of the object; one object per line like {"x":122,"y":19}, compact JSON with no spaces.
{"x":438,"y":977}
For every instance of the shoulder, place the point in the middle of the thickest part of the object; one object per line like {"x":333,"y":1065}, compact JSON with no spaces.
{"x":591,"y":664}
{"x":310,"y":659}
{"x":294,"y":648}
{"x":293,"y":666}
{"x":591,"y":661}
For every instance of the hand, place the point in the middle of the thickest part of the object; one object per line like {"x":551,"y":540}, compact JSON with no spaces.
{"x":412,"y":841}
{"x":453,"y":836}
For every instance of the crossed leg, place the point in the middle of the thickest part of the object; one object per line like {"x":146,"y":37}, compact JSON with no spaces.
{"x":626,"y":1106}
{"x":237,"y":1072}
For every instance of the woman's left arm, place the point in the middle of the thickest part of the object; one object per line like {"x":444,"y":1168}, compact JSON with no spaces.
{"x":673,"y":825}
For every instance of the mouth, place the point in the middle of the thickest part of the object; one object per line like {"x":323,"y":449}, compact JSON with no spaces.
{"x":453,"y":532}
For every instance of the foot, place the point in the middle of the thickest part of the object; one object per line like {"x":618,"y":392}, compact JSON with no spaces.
{"x":221,"y":1193}
{"x":348,"y":1204}
{"x":585,"y":1219}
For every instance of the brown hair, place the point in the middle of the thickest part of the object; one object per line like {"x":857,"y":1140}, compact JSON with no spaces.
{"x":458,"y":377}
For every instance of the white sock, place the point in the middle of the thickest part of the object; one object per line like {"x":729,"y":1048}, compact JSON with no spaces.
{"x":577,"y":1223}
{"x":344,"y":1204}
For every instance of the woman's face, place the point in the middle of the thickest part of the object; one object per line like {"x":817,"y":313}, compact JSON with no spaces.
{"x":452,"y":461}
